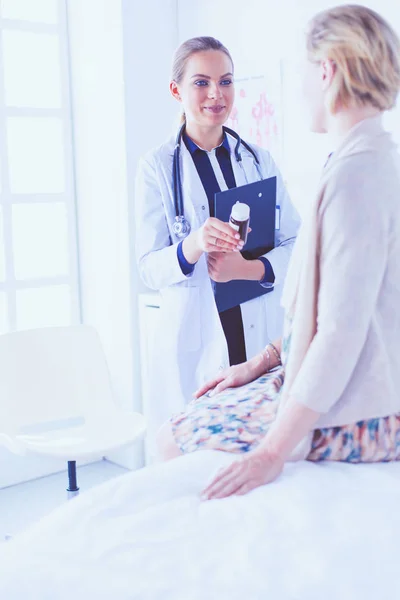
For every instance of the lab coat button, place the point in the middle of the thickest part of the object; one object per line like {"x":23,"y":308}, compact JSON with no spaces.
{"x":203,"y":207}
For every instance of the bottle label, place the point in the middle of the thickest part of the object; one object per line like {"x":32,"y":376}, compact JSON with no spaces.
{"x":235,"y":227}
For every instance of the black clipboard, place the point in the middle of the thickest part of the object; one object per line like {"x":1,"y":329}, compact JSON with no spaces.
{"x":261,"y":197}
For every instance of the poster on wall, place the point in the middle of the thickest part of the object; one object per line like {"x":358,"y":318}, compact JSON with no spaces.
{"x":256,"y":115}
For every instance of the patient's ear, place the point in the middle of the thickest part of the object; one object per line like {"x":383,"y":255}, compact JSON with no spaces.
{"x":328,"y":71}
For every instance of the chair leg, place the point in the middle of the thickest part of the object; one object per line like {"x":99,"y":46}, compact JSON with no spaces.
{"x":72,"y":488}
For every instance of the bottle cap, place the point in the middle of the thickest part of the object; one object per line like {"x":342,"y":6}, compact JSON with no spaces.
{"x":240,"y":211}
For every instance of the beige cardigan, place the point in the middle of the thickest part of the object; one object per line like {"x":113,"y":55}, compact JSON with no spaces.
{"x":343,"y":286}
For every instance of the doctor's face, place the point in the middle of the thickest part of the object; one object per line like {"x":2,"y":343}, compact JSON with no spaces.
{"x":207,"y":89}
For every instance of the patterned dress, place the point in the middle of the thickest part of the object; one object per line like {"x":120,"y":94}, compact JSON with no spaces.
{"x":237,"y":420}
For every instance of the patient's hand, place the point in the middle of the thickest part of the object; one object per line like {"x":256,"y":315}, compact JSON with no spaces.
{"x":245,"y":474}
{"x":234,"y":376}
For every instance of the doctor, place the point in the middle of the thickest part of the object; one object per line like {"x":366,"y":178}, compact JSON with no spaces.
{"x":181,"y":247}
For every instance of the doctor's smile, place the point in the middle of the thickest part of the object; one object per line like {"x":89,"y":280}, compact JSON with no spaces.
{"x":215,"y":109}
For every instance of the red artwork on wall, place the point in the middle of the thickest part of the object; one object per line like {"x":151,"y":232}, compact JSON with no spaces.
{"x":256,"y":113}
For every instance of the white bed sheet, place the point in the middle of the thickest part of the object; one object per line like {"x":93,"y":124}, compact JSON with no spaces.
{"x":322,"y":531}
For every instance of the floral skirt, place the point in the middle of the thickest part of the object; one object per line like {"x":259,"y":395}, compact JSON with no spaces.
{"x":238,"y":419}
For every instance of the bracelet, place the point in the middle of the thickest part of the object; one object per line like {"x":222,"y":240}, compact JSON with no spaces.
{"x":275,"y":351}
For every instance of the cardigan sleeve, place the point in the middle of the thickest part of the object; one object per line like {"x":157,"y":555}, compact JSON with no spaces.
{"x":353,"y":248}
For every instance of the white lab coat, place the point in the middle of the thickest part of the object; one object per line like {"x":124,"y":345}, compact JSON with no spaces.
{"x":190,"y":345}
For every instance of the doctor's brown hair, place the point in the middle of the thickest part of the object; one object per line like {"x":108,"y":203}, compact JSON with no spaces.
{"x":190,"y":47}
{"x":366,"y":52}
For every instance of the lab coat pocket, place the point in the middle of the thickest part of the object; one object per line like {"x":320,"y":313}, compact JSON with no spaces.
{"x":181,"y":317}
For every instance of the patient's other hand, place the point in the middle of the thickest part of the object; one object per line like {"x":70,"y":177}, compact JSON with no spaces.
{"x":235,"y":376}
{"x":245,"y":474}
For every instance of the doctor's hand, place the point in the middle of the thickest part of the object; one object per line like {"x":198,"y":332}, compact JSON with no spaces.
{"x":235,"y":376}
{"x":213,"y":236}
{"x":224,"y":267}
{"x":217,"y":236}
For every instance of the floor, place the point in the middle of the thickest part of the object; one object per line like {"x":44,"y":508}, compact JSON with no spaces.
{"x":23,"y":504}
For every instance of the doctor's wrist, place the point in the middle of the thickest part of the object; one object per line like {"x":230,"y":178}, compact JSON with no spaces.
{"x":253,"y":270}
{"x":191,"y":248}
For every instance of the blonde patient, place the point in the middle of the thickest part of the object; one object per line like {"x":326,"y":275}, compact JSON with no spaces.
{"x":330,"y":389}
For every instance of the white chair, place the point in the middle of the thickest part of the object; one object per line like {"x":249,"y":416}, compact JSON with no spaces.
{"x":56,"y":398}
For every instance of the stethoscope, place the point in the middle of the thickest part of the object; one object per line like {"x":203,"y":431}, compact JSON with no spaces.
{"x":181,"y":226}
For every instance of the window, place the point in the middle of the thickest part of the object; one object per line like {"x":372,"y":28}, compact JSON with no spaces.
{"x":38,"y":241}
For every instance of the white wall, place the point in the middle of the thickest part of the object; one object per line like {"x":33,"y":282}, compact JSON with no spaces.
{"x":150,"y":38}
{"x":251,"y":30}
{"x":98,"y":101}
{"x":121,"y":108}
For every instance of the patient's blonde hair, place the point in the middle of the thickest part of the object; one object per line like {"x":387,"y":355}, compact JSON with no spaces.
{"x":366,"y":52}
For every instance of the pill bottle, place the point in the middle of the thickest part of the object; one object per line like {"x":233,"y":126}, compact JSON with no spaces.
{"x":240,"y":219}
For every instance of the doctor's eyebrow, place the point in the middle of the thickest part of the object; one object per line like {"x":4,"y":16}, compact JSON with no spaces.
{"x":208,"y":77}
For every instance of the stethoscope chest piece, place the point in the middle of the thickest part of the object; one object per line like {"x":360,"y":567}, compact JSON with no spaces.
{"x":181,"y":227}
